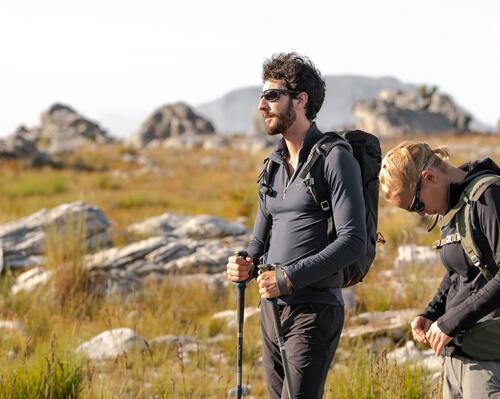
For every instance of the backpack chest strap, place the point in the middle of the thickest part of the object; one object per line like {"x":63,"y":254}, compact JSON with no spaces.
{"x":449,"y":239}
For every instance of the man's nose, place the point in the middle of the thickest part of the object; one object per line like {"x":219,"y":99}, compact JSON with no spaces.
{"x":263,"y":104}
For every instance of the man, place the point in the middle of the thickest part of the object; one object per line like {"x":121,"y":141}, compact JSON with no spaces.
{"x":292,"y":228}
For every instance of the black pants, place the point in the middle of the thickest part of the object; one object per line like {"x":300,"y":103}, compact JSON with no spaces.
{"x":311,"y":333}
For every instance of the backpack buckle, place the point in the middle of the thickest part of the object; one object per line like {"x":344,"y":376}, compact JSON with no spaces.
{"x":325,"y":205}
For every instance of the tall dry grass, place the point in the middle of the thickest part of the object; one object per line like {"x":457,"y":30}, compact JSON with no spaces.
{"x":59,"y":317}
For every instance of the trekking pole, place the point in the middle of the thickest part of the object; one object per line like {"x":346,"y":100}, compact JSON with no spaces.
{"x":279,"y":334}
{"x":240,"y":313}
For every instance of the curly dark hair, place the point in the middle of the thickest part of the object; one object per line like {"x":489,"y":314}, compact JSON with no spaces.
{"x":298,"y":73}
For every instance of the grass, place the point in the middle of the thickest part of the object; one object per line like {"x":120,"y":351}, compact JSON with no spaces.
{"x":40,"y":361}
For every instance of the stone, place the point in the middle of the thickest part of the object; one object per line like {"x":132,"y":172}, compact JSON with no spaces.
{"x":21,"y":145}
{"x":10,"y":325}
{"x":245,"y":391}
{"x":349,"y":299}
{"x":23,"y":241}
{"x":114,"y":258}
{"x":392,"y":323}
{"x":409,"y":255}
{"x":112,"y":343}
{"x":64,"y":130}
{"x":188,"y":344}
{"x":229,"y":316}
{"x":410,"y":354}
{"x":199,"y":227}
{"x":394,"y":113}
{"x":171,"y":120}
{"x":31,"y":279}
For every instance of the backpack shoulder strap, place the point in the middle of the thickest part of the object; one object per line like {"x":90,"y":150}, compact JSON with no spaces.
{"x":314,"y":178}
{"x":264,"y":181}
{"x":461,"y":213}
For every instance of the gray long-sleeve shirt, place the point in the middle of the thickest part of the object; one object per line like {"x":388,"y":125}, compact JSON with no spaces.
{"x":298,"y":226}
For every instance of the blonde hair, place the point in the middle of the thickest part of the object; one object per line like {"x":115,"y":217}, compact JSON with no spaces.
{"x":402,"y":165}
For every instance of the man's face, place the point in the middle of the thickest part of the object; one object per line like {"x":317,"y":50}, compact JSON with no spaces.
{"x":278,"y":115}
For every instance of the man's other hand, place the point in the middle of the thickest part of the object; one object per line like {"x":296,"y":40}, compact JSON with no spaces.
{"x":238,"y":268}
{"x":268,"y":287}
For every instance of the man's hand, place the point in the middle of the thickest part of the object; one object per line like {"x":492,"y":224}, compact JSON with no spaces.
{"x":268,"y":287}
{"x":239,"y":268}
{"x":437,"y":339}
{"x":419,"y":327}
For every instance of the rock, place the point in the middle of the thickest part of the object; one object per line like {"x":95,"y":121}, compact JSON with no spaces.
{"x":121,"y":257}
{"x":20,"y":145}
{"x":112,"y":343}
{"x":245,"y":391}
{"x":28,"y":281}
{"x":64,"y":129}
{"x":392,"y":323}
{"x":349,"y":299}
{"x":410,"y":354}
{"x":214,"y":281}
{"x":12,"y":326}
{"x":396,"y":113}
{"x":416,"y":255}
{"x":229,"y":316}
{"x":200,"y":227}
{"x":23,"y":241}
{"x":170,"y":121}
{"x":187,"y":343}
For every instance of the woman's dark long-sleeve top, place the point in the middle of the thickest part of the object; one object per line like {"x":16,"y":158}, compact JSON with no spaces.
{"x":465,"y":296}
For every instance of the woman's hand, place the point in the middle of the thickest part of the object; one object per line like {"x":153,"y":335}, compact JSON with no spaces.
{"x":437,"y":339}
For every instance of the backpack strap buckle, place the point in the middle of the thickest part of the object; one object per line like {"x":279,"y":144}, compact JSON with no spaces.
{"x":325,"y":205}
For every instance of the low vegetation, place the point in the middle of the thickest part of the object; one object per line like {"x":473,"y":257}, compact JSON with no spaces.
{"x":40,"y":361}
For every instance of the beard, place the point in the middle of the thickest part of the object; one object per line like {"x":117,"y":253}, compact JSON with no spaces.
{"x":280,"y":121}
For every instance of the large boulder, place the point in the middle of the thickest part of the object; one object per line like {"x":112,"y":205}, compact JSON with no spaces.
{"x":63,"y":130}
{"x":112,"y":343}
{"x":200,"y":226}
{"x":394,"y":113}
{"x":22,"y":145}
{"x":23,"y":242}
{"x":168,"y":121}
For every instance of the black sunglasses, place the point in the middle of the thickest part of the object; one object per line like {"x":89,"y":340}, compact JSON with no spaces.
{"x":417,"y":206}
{"x":274,"y":94}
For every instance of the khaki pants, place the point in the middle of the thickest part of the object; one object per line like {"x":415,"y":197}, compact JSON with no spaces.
{"x":470,"y":379}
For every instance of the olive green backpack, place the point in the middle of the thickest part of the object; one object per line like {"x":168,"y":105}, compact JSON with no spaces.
{"x":482,"y":342}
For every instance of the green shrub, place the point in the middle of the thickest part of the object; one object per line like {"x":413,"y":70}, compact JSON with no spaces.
{"x":54,"y":376}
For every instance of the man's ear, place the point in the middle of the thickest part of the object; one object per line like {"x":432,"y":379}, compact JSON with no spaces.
{"x":429,"y":176}
{"x":302,"y":99}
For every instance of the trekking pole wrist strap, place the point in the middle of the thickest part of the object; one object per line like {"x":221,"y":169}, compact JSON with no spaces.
{"x":281,"y":281}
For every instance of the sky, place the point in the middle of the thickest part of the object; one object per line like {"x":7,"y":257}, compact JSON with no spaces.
{"x":115,"y":62}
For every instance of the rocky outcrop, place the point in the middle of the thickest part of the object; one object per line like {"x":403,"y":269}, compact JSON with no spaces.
{"x":23,"y":242}
{"x":201,"y":226}
{"x":196,"y":247}
{"x":21,"y":145}
{"x":170,"y":121}
{"x":177,"y":245}
{"x":396,"y":113}
{"x":63,"y":130}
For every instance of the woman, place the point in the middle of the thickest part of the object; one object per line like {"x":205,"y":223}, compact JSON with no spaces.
{"x":419,"y":179}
